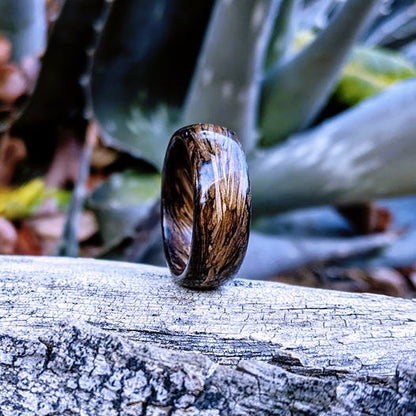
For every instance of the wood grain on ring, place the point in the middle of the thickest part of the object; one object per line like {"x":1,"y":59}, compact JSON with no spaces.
{"x":206,"y":204}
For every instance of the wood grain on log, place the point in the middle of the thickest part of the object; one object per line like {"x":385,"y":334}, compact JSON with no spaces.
{"x":297,"y":328}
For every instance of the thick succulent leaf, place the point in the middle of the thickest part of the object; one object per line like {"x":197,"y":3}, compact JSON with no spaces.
{"x":143,"y":244}
{"x":269,"y":255}
{"x":365,"y":153}
{"x":283,"y":31}
{"x":308,"y":222}
{"x":395,"y":27}
{"x":122,"y":202}
{"x":142,"y":69}
{"x":24,"y":23}
{"x":409,"y":51}
{"x":293,"y":93}
{"x":59,"y":95}
{"x":225,"y":87}
{"x":369,"y":71}
{"x":315,"y":13}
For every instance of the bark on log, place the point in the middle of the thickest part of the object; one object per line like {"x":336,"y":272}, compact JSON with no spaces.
{"x":316,"y":351}
{"x":81,"y":371}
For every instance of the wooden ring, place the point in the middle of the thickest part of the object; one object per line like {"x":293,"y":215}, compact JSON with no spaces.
{"x":206,"y":205}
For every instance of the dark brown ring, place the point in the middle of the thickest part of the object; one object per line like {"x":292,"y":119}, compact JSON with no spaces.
{"x":206,"y":203}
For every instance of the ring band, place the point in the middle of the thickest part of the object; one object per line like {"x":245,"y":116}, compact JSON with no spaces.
{"x":206,"y":205}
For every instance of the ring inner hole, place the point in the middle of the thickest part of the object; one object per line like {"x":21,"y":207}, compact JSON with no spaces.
{"x":178,"y":207}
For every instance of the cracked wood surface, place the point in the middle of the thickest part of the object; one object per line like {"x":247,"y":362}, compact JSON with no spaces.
{"x":292,"y":326}
{"x":84,"y":371}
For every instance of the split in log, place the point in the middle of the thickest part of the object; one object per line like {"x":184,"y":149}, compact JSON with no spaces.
{"x":315,"y":351}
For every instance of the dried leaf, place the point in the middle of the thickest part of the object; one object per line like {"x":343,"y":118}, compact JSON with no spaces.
{"x":65,"y":163}
{"x":51,"y":226}
{"x":412,"y":278}
{"x":403,"y":251}
{"x":102,"y":156}
{"x":376,"y":280}
{"x":8,"y":237}
{"x":367,"y":218}
{"x":13,"y":83}
{"x":12,"y":151}
{"x":27,"y":242}
{"x":387,"y":281}
{"x":5,"y":49}
{"x":53,"y":8}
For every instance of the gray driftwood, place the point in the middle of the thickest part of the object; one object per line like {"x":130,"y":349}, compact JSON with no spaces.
{"x":259,"y":348}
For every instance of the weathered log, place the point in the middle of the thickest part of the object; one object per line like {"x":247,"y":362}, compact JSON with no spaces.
{"x":82,"y":371}
{"x":323,"y":352}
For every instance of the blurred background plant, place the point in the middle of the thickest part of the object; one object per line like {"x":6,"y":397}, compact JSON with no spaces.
{"x":322,"y":94}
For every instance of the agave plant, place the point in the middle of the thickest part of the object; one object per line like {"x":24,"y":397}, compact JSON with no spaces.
{"x":272,"y":70}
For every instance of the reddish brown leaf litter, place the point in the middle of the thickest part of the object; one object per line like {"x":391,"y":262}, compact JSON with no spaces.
{"x":16,"y":81}
{"x":387,"y":281}
{"x":5,"y":50}
{"x":63,"y":169}
{"x":40,"y":235}
{"x":27,"y":241}
{"x":409,"y":273}
{"x":12,"y":151}
{"x":13,"y":83}
{"x":383,"y":280}
{"x":51,"y":226}
{"x":8,"y":237}
{"x":53,"y":8}
{"x":367,"y":218}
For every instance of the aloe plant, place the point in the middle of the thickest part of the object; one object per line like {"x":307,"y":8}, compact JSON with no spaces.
{"x":162,"y":64}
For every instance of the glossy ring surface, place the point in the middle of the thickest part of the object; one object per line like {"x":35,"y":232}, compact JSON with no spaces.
{"x":206,"y":205}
